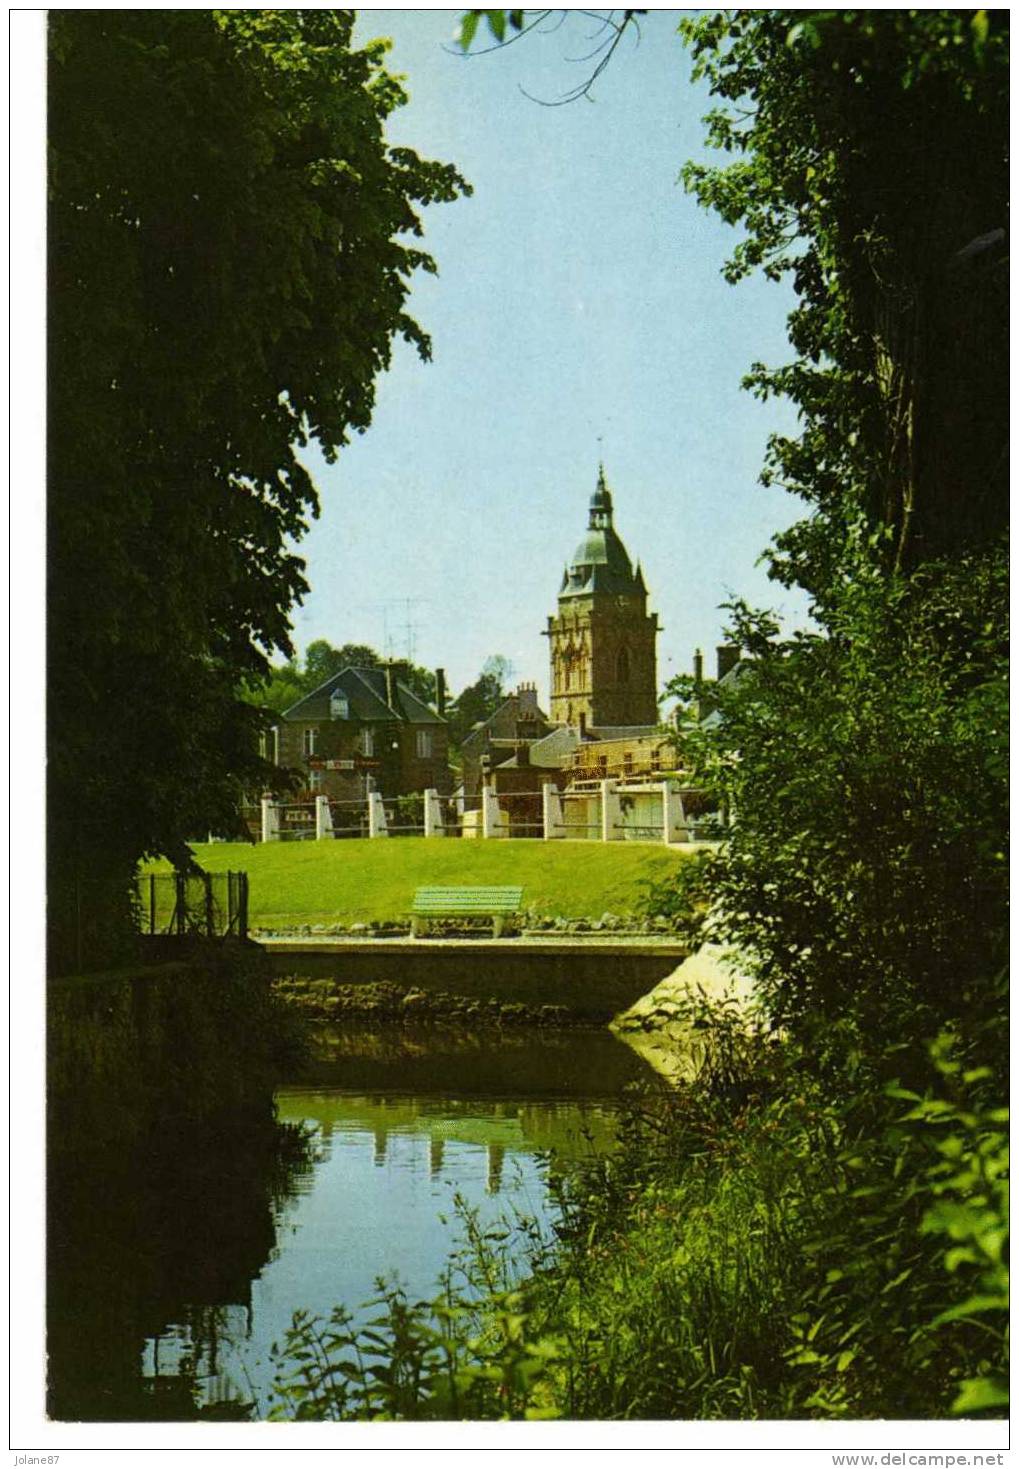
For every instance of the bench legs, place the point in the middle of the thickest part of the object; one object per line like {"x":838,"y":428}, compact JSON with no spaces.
{"x":498,"y":924}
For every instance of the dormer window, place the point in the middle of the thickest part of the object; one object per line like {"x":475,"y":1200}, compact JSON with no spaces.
{"x":339,"y":705}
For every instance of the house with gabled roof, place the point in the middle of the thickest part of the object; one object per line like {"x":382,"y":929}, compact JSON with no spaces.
{"x":516,"y":723}
{"x":363,"y":729}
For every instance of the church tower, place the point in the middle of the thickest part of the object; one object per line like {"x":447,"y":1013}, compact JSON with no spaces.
{"x":602,"y":639}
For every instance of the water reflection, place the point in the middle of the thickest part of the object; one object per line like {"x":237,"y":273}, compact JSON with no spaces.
{"x":160,"y":1240}
{"x":173,"y":1273}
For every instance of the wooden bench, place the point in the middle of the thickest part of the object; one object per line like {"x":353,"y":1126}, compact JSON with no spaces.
{"x":494,"y":903}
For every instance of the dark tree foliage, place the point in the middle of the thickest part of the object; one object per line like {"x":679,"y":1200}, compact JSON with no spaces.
{"x":865,"y":870}
{"x":479,"y":700}
{"x":872,"y":168}
{"x":321,"y":660}
{"x":231,"y":242}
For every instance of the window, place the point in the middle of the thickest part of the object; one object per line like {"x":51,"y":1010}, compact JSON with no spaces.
{"x":315,"y":780}
{"x":424,"y":744}
{"x":368,"y":742}
{"x":310,"y":739}
{"x":339,"y":705}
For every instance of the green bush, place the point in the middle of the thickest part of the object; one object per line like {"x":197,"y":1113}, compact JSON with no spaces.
{"x":865,"y":875}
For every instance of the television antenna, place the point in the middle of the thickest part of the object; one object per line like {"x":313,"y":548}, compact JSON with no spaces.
{"x":399,"y":628}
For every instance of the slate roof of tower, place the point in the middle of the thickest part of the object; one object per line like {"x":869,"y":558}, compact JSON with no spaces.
{"x":600,"y":563}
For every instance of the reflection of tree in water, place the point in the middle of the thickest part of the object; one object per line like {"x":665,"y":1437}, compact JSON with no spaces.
{"x":152,"y":1252}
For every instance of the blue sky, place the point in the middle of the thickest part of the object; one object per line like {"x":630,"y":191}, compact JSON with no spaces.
{"x":579,"y":298}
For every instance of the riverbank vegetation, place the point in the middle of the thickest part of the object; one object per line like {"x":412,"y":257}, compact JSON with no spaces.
{"x":341,"y":883}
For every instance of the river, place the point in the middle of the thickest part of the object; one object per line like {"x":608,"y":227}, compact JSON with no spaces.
{"x":173,"y":1275}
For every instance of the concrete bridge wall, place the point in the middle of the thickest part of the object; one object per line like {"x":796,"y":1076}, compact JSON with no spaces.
{"x":595,"y":981}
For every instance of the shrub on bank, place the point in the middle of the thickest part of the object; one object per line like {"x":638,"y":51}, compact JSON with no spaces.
{"x":796,"y":1257}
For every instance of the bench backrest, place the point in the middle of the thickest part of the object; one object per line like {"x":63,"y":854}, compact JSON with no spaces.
{"x":467,"y":900}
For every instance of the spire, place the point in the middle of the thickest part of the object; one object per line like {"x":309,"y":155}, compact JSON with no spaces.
{"x":601,"y":503}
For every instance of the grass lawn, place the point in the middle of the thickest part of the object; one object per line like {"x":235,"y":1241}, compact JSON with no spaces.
{"x":358,"y":881}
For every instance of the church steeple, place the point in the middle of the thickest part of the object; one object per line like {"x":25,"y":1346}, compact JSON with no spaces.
{"x":600,"y":516}
{"x":602,"y":640}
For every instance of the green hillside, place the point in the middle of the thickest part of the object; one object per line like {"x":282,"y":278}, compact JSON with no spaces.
{"x":364,"y":881}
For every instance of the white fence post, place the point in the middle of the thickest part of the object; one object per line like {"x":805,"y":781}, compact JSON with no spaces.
{"x":376,"y":816}
{"x":270,"y":820}
{"x":323,"y":818}
{"x":551,"y":812}
{"x":487,"y":799}
{"x":433,"y":815}
{"x":674,"y":823}
{"x":611,"y":812}
{"x":493,"y":823}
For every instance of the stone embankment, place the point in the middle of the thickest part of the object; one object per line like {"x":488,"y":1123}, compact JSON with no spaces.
{"x":658,"y":1025}
{"x":393,"y":1004}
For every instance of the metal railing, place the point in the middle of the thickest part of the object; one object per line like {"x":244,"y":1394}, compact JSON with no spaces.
{"x":209,"y":904}
{"x":578,"y":812}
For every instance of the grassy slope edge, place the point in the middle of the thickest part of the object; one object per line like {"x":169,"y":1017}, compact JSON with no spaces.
{"x":362,"y":881}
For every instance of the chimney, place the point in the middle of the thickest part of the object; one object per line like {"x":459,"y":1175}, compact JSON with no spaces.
{"x":728,"y":657}
{"x":440,"y":692}
{"x":391,"y":687}
{"x":523,"y":753}
{"x":527,"y":696}
{"x":698,"y":666}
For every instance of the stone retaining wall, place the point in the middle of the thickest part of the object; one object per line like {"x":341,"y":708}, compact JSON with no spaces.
{"x":589,"y":982}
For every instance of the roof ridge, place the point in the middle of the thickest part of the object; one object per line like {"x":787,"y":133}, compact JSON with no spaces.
{"x":383,"y":699}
